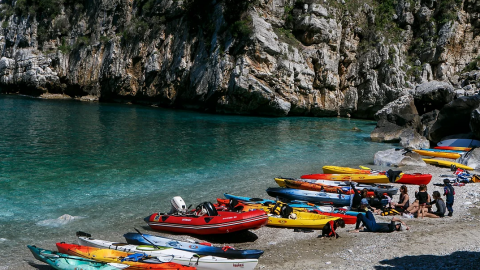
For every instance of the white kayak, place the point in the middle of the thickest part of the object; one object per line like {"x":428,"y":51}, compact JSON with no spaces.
{"x":168,"y":254}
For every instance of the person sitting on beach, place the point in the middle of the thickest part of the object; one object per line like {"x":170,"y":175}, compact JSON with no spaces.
{"x":329,"y":230}
{"x":439,"y":203}
{"x":371,"y":225}
{"x":404,"y":201}
{"x":415,"y":206}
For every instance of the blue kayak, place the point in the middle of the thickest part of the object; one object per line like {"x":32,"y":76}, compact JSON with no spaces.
{"x":310,"y":196}
{"x":441,"y":150}
{"x":293,"y":203}
{"x":141,"y":239}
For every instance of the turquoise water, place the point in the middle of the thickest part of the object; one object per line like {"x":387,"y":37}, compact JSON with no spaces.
{"x":114,"y":164}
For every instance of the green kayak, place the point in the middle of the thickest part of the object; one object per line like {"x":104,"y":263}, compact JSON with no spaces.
{"x":62,"y":261}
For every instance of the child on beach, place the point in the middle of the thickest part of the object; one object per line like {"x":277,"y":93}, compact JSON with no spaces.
{"x":329,"y":230}
{"x":449,"y":192}
{"x":422,"y":197}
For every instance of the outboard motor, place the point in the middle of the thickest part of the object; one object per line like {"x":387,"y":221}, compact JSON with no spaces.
{"x":178,"y":206}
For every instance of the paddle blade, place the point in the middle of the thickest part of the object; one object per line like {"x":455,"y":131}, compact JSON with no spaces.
{"x":364,"y":168}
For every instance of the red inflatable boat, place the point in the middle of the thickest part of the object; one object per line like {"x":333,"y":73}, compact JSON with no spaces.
{"x":214,"y":222}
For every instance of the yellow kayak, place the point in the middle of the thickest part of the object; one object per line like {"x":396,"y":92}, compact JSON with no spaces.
{"x":302,"y":220}
{"x":344,"y":170}
{"x":446,"y":163}
{"x":437,"y":154}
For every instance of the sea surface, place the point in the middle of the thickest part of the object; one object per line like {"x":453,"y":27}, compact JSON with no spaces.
{"x":111,"y":165}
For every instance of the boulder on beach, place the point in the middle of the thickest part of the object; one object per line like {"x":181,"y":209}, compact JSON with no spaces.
{"x":60,"y":221}
{"x":398,"y":157}
{"x":471,"y":159}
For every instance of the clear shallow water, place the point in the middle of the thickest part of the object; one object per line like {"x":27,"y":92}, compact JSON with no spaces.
{"x":115,"y":164}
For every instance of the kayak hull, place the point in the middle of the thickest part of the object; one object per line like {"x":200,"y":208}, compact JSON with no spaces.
{"x":343,"y":170}
{"x":446,"y":163}
{"x":438,"y":154}
{"x":148,"y":239}
{"x":303,"y":220}
{"x":453,"y":148}
{"x":408,"y":179}
{"x":115,"y":256}
{"x":224,"y":222}
{"x":67,"y":262}
{"x":338,"y":187}
{"x":310,"y":196}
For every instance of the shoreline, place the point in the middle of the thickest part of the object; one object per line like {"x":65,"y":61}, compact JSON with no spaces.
{"x":424,"y":246}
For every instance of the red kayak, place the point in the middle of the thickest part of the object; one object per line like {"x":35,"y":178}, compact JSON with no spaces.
{"x":219,"y":222}
{"x":453,"y":148}
{"x":408,"y":179}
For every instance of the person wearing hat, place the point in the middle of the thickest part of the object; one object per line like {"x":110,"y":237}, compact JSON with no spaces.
{"x":449,"y":192}
{"x":368,"y":221}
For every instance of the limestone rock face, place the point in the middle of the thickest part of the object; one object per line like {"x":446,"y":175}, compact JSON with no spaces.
{"x":314,"y":58}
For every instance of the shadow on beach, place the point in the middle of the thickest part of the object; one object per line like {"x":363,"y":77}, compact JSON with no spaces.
{"x":456,"y":260}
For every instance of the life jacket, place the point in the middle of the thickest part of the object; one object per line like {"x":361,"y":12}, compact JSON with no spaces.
{"x":285,"y":211}
{"x":390,"y":212}
{"x":329,"y":229}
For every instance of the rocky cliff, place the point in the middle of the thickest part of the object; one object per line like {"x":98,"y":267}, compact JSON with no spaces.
{"x":267,"y":57}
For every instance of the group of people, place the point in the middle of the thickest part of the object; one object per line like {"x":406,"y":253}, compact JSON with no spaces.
{"x":421,"y":207}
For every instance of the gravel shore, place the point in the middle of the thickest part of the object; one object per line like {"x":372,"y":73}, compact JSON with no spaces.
{"x":446,"y":243}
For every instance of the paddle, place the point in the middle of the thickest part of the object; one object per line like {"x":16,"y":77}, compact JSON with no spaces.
{"x":364,"y":168}
{"x":155,"y":246}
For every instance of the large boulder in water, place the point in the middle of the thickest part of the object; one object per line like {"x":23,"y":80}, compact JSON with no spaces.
{"x":454,"y":118}
{"x":433,"y":95}
{"x":396,"y":157}
{"x":396,"y":118}
{"x":471,"y":159}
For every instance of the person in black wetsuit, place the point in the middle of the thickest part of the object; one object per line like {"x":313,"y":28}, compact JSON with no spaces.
{"x":357,"y":198}
{"x":422,"y":197}
{"x":329,"y":230}
{"x":439,"y":203}
{"x":371,"y":225}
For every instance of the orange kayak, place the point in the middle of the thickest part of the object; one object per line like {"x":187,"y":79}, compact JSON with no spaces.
{"x":116,"y":256}
{"x":298,"y":184}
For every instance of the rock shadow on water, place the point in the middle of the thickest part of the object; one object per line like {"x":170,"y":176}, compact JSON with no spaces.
{"x":456,"y":260}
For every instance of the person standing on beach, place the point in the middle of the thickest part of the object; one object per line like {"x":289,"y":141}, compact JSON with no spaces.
{"x":449,"y":192}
